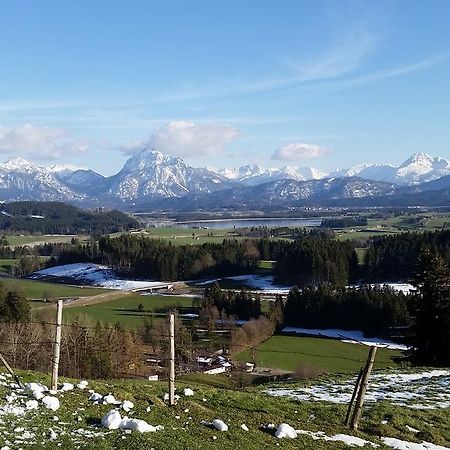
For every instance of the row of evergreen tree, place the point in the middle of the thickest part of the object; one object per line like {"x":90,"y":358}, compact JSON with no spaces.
{"x":394,"y":257}
{"x":374,"y":310}
{"x":60,"y":218}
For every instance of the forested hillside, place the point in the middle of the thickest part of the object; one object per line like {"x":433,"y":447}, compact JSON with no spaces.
{"x":393,"y":258}
{"x":60,"y":218}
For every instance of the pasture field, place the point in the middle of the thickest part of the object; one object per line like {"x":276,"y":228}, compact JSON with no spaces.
{"x":364,"y":234}
{"x":186,"y":236}
{"x":30,"y":239}
{"x":5,"y":264}
{"x":190,"y":236}
{"x":41,"y":289}
{"x":289,"y":352}
{"x":125,"y":310}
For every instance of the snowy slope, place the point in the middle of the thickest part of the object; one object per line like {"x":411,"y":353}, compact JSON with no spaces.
{"x":94,"y":274}
{"x":150,"y":174}
{"x":23,"y":180}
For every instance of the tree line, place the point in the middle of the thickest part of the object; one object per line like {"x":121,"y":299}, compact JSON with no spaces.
{"x":394,"y":257}
{"x":373,"y":310}
{"x":60,"y":218}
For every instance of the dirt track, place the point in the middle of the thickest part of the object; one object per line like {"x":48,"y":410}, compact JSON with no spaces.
{"x":100,"y":298}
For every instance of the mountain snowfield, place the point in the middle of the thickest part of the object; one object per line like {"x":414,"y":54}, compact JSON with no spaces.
{"x":149,"y":178}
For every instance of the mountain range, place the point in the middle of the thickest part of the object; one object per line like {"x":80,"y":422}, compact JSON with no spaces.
{"x":150,"y":179}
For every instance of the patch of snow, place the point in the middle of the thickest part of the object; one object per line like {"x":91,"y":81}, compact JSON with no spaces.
{"x":82,"y":384}
{"x":51,"y":402}
{"x":95,"y":274}
{"x":95,"y":397}
{"x":405,"y":445}
{"x":138,"y":425}
{"x":348,"y":336}
{"x":265,"y":284}
{"x":110,"y":399}
{"x":32,"y":404}
{"x":420,"y":390}
{"x":347,"y":439}
{"x":244,"y":427}
{"x":285,"y":431}
{"x":112,"y":419}
{"x":127,"y":405}
{"x":188,"y":392}
{"x":66,"y":387}
{"x":219,"y":425}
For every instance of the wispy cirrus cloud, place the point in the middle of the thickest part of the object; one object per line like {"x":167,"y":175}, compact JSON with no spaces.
{"x":299,"y":151}
{"x":39,"y":142}
{"x":185,"y":138}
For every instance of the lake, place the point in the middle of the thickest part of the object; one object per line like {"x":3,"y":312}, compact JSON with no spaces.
{"x":253,"y":222}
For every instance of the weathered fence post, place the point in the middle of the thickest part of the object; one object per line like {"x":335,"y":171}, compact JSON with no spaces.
{"x":352,"y":401}
{"x":8,"y":368}
{"x":172,"y":360}
{"x":57,"y":346}
{"x":362,"y":390}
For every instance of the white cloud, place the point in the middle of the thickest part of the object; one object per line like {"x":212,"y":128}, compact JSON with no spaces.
{"x":297,"y":151}
{"x":39,"y":142}
{"x":183,"y":138}
{"x":132,"y":147}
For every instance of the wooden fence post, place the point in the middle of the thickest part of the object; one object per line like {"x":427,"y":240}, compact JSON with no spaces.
{"x":352,"y":401}
{"x":57,"y":346}
{"x":362,"y":391}
{"x":8,"y":368}
{"x":172,"y":360}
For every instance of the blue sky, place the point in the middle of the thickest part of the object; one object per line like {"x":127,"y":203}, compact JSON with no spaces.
{"x":303,"y":83}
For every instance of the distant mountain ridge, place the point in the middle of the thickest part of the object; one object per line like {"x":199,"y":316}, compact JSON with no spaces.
{"x":150,"y":179}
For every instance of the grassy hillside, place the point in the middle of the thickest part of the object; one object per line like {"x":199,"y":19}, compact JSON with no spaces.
{"x":40,"y":289}
{"x":77,"y":423}
{"x":289,"y":352}
{"x":125,"y":309}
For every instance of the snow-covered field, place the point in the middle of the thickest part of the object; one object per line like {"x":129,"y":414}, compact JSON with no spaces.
{"x":349,"y":336}
{"x":406,"y":288}
{"x":266,"y":284}
{"x":95,"y":275}
{"x":263,"y":283}
{"x":420,"y":390}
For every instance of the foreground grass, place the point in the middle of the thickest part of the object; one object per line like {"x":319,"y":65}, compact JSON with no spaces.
{"x":290,"y":352}
{"x":183,"y":428}
{"x":125,"y":310}
{"x":41,"y":289}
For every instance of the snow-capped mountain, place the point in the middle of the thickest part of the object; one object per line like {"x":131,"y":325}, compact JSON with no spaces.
{"x":287,"y":193}
{"x":149,"y":174}
{"x":23,"y":180}
{"x":253,"y":174}
{"x":419,"y":168}
{"x":149,"y":177}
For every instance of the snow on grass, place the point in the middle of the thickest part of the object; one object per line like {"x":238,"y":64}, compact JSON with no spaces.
{"x":351,"y":441}
{"x":285,"y":430}
{"x":349,"y":336}
{"x":23,"y":411}
{"x":406,"y":288}
{"x":96,"y":275}
{"x":420,"y":390}
{"x":405,"y":445}
{"x":263,"y":283}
